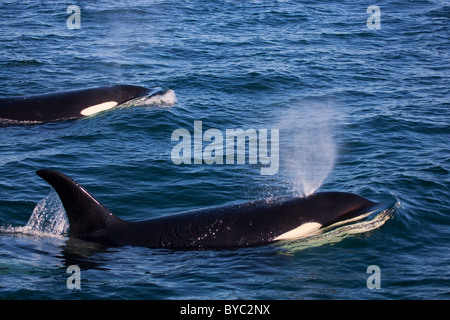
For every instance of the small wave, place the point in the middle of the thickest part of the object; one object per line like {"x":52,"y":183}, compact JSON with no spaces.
{"x":23,"y":62}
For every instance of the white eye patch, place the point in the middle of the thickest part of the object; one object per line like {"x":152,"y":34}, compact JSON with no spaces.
{"x":304,"y":230}
{"x":98,"y":108}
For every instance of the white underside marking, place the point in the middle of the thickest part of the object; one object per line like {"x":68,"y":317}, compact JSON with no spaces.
{"x":98,"y":107}
{"x":304,"y":230}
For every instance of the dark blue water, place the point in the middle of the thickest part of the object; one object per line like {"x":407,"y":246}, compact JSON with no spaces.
{"x":358,"y":110}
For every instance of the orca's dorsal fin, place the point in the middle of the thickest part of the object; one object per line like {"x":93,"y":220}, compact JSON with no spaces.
{"x":88,"y":218}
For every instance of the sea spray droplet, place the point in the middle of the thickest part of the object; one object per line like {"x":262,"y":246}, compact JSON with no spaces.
{"x":309,"y":150}
{"x":49,"y":216}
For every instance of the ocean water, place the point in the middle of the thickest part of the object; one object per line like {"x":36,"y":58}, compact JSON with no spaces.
{"x":361,"y":103}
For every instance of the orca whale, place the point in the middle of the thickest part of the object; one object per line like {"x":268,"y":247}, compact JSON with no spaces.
{"x":240,"y":225}
{"x":68,"y":105}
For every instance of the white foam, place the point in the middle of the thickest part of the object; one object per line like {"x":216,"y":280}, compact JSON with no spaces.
{"x":167,"y":99}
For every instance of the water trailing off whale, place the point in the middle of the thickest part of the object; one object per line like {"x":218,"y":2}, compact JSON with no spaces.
{"x":240,"y":225}
{"x":68,"y":105}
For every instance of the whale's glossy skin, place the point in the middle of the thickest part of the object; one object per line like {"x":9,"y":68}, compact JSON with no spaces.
{"x":67,"y":105}
{"x":241,"y":225}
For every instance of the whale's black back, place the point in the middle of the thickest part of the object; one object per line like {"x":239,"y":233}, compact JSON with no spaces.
{"x":64,"y":105}
{"x":239,"y":225}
